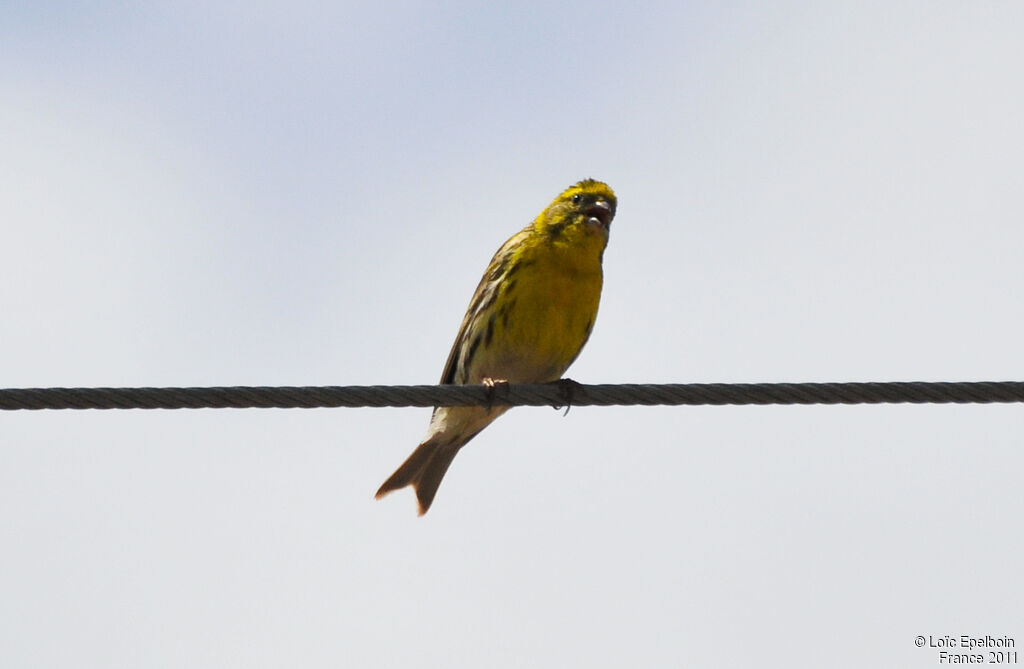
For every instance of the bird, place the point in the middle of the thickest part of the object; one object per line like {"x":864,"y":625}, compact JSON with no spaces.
{"x":528,"y":320}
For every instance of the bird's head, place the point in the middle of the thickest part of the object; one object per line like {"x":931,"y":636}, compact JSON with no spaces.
{"x":584,"y":209}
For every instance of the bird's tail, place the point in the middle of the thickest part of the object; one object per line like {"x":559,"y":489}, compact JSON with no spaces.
{"x":423,"y":470}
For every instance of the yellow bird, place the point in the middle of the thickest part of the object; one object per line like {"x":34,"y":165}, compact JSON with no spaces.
{"x":528,"y":320}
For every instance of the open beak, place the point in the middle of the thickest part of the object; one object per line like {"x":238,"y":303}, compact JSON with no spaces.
{"x":599,"y":213}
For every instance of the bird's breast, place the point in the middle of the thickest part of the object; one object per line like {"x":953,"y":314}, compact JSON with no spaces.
{"x":543,"y":316}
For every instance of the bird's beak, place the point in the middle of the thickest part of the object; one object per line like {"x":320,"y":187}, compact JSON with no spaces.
{"x":600,"y":213}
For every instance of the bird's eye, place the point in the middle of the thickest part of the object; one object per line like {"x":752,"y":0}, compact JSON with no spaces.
{"x":576,"y":198}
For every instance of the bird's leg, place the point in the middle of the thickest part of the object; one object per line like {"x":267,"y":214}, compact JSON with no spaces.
{"x":567,"y":388}
{"x":492,"y":385}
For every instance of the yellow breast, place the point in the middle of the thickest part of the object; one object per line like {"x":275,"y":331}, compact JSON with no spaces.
{"x":545,"y":312}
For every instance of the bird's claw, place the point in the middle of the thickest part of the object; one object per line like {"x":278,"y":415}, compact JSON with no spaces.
{"x":492,"y":387}
{"x":567,"y":389}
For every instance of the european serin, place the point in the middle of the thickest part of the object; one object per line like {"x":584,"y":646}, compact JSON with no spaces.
{"x":528,"y":320}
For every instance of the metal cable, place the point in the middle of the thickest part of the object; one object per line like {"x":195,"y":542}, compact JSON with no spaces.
{"x":559,"y":393}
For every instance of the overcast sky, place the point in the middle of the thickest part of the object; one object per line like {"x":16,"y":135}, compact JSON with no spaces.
{"x":307,"y":193}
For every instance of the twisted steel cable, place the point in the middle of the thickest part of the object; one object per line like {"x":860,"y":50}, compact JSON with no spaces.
{"x":558,"y":393}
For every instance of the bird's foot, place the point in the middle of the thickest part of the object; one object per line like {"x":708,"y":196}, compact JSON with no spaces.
{"x":567,"y":389}
{"x":492,"y":387}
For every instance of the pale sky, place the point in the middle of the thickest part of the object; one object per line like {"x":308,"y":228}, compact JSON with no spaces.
{"x":307,"y":193}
